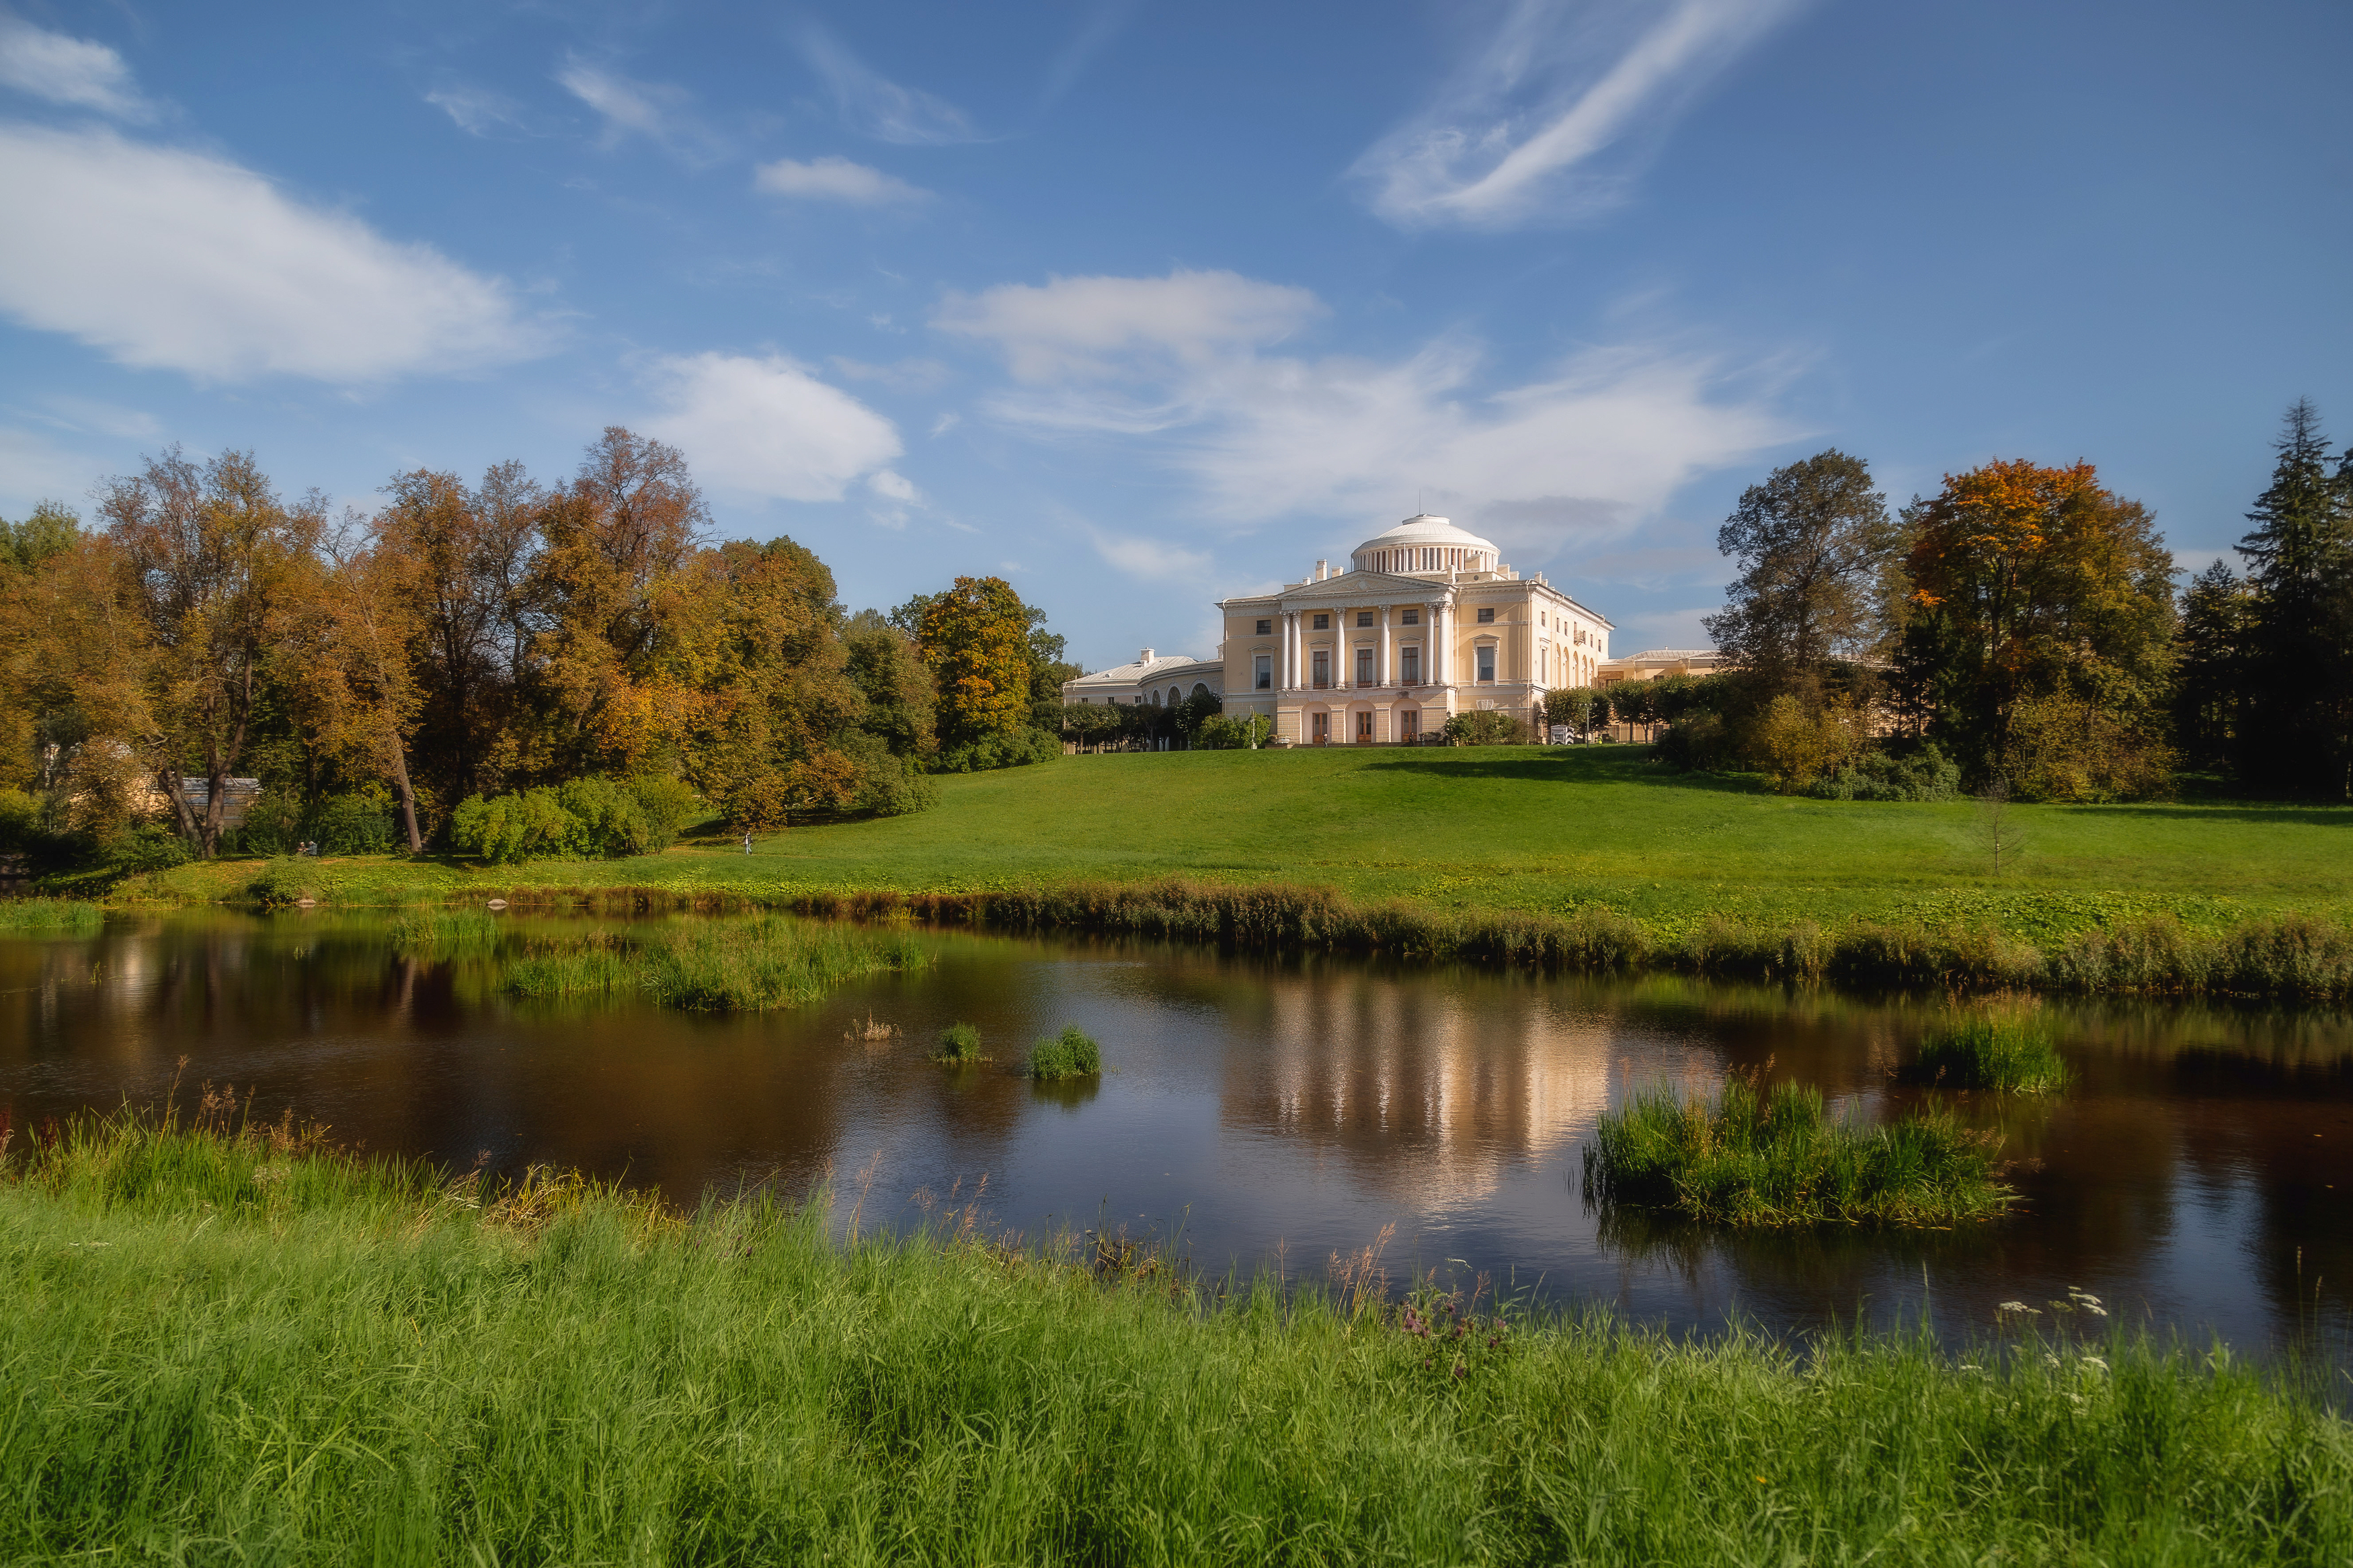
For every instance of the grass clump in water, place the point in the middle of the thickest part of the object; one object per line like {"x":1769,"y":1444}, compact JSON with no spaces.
{"x":445,"y":934}
{"x":959,"y":1044}
{"x":1777,"y":1158}
{"x":766,"y":960}
{"x":2015,"y":1056}
{"x":592,"y":965}
{"x":1071,"y":1054}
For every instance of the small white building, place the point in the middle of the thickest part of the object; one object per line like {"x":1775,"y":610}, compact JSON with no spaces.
{"x":1155,"y":680}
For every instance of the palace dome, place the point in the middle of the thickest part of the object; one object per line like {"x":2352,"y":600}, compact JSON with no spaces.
{"x":1425,"y":544}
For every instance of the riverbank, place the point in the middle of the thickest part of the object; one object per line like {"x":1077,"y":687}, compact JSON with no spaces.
{"x":1587,"y":856}
{"x":262,"y":1338}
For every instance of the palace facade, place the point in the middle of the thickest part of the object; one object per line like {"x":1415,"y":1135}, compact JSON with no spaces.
{"x":1427,"y":622}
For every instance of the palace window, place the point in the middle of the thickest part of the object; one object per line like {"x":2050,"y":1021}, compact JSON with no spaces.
{"x":1266,"y":628}
{"x":1412,"y":616}
{"x":1364,"y":617}
{"x":1410,"y":661}
{"x":1363,"y":667}
{"x":1487,"y":617}
{"x":1487,"y":662}
{"x":1323,"y":676}
{"x":1323,"y":623}
{"x":1265,"y":672}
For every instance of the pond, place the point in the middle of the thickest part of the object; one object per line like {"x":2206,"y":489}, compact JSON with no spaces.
{"x":1261,"y":1114}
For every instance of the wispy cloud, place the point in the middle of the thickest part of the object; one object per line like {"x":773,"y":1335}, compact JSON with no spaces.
{"x":873,"y":105}
{"x":69,"y":70}
{"x":35,"y":469}
{"x":767,"y":429}
{"x":1152,"y":558}
{"x":478,"y":112}
{"x":171,"y":259}
{"x":660,"y":112}
{"x":1182,"y":370}
{"x":1103,"y":23}
{"x":1519,"y":135}
{"x":834,"y":180}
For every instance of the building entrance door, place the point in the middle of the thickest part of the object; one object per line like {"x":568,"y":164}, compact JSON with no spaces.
{"x":1364,"y":729}
{"x":1320,"y":730}
{"x":1409,"y":726}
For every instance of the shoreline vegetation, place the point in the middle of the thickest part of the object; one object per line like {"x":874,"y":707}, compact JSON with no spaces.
{"x":246,"y":1332}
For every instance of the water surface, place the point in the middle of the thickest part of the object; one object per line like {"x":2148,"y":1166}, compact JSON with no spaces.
{"x":1262,"y":1113}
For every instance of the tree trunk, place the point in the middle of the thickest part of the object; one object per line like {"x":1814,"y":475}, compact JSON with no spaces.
{"x":407,"y":796}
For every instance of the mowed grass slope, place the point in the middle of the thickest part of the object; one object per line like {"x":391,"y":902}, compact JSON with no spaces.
{"x":1541,"y":830}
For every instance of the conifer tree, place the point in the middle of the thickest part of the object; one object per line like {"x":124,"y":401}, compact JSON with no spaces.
{"x":2298,"y":732}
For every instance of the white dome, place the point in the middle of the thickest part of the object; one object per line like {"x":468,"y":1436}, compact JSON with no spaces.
{"x":1425,"y":544}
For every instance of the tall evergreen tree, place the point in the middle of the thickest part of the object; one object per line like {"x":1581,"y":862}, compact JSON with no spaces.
{"x":2210,"y":670}
{"x":2298,"y":732}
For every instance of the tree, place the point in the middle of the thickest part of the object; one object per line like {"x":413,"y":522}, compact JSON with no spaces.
{"x":360,"y":679}
{"x":2298,"y":731}
{"x":2027,"y":584}
{"x":1813,"y":544}
{"x":609,"y":582}
{"x":215,"y":577}
{"x":885,"y":664}
{"x":2212,"y":656}
{"x":975,"y":639}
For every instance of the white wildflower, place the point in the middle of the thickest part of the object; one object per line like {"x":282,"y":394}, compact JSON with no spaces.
{"x":2019,"y":1307}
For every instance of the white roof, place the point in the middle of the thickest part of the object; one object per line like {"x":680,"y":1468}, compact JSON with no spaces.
{"x":1423,"y":529}
{"x":1136,"y":672}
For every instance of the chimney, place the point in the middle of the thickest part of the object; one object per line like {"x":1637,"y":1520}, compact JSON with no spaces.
{"x":1145,"y":658}
{"x":1323,"y":570}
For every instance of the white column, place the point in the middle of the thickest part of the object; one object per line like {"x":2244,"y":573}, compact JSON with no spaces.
{"x":1439,"y":672}
{"x":1290,"y":650}
{"x":1389,"y":670}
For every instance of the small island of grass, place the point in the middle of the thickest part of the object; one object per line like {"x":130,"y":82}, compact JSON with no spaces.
{"x":1778,"y":1159}
{"x":1071,"y":1054}
{"x":2013,"y":1055}
{"x":959,"y":1046}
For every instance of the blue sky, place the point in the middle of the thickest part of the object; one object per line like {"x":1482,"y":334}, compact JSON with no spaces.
{"x":1139,"y":304}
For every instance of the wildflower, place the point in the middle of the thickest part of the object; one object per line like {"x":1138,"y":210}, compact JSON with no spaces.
{"x":2019,"y":1307}
{"x":2094,"y":1361}
{"x":1971,"y":1366}
{"x":2050,"y":1360}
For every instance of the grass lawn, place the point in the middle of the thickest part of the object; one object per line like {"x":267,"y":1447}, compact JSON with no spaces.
{"x":1539,"y":829}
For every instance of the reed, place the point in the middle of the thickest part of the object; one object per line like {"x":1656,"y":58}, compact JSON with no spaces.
{"x":229,"y":1342}
{"x":2012,"y":1056}
{"x":960,"y":1044}
{"x":1778,"y":1159}
{"x":766,"y":960}
{"x":49,"y":917}
{"x":597,"y":964}
{"x":447,"y":933}
{"x":1071,"y":1054}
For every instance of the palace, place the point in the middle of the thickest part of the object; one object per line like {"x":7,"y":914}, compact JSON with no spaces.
{"x":1426,"y":623}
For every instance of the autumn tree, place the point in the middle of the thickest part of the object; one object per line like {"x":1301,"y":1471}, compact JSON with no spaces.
{"x":214,"y":576}
{"x":2040,"y":605}
{"x":974,"y":638}
{"x":2298,"y":732}
{"x":1813,"y":543}
{"x":610,"y":580}
{"x":358,"y":679}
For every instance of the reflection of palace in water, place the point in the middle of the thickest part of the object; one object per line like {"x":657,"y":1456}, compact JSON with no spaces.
{"x":1429,"y":1092}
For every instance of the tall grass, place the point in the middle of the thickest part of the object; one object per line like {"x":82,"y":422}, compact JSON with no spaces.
{"x":1071,"y":1054}
{"x":46,"y":917}
{"x":766,"y":960}
{"x":250,"y":1346}
{"x":2014,"y":1056}
{"x":1778,"y":1159}
{"x":960,"y":1044}
{"x":447,"y":933}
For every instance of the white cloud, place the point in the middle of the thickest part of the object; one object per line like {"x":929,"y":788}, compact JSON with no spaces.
{"x":910,"y":375}
{"x":767,"y":429}
{"x":834,"y":180}
{"x":1511,"y":137}
{"x":75,"y":72}
{"x":477,"y":111}
{"x":1584,"y":453}
{"x":656,"y":110}
{"x":176,"y":260}
{"x":877,"y":107}
{"x":946,"y":422}
{"x":1153,"y":559}
{"x":892,"y":486}
{"x":90,"y":414}
{"x":1095,"y":326}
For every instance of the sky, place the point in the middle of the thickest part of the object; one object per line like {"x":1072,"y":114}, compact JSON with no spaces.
{"x":1139,"y":305}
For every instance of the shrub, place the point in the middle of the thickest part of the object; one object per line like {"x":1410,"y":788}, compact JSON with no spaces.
{"x":1777,"y":1158}
{"x":668,"y":806}
{"x":352,"y":825}
{"x":1071,"y":1054}
{"x":2062,"y":749}
{"x":1000,"y":749}
{"x":1925,"y":774}
{"x":959,"y":1043}
{"x":1698,"y":740}
{"x":1222,"y":733}
{"x":507,"y":828}
{"x":284,"y":882}
{"x":1485,"y":726}
{"x":2014,"y":1056}
{"x":272,"y":824}
{"x":1796,"y":746}
{"x":896,"y":787}
{"x":149,"y":847}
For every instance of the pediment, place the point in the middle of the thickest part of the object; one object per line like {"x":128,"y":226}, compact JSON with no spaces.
{"x":1368,"y":587}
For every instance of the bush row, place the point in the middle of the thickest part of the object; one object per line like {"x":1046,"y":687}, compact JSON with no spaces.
{"x":584,"y":817}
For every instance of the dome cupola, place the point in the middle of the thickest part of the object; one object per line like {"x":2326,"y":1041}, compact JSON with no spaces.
{"x":1424,"y":544}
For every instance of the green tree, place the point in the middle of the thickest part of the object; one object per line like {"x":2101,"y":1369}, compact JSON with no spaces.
{"x":2212,"y":656}
{"x":887,"y":668}
{"x":2298,"y":732}
{"x":1814,"y":545}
